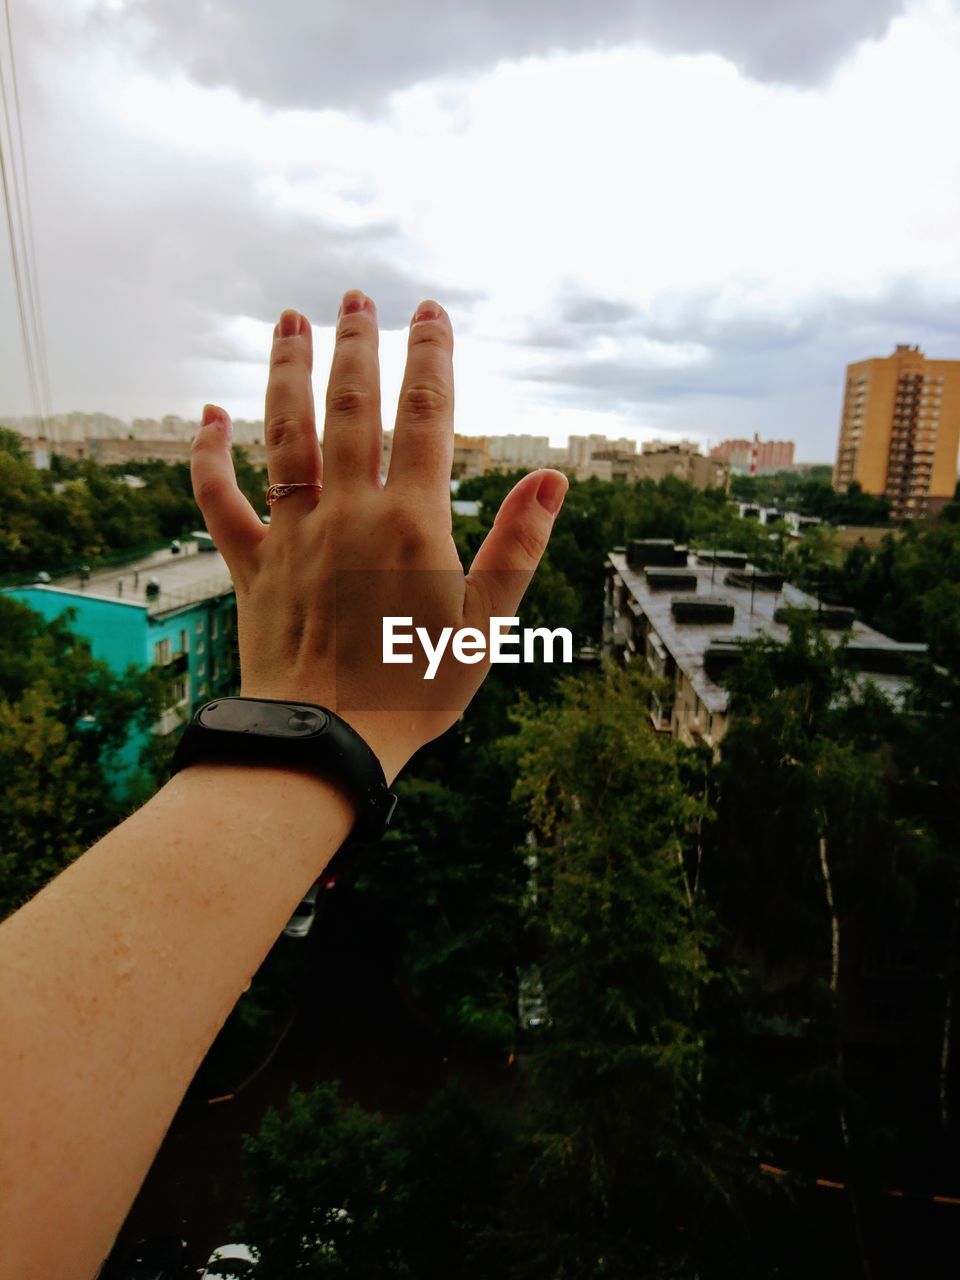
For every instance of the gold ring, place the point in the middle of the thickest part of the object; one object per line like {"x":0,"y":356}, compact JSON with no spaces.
{"x":277,"y":491}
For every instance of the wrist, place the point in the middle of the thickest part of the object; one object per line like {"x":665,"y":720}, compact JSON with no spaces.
{"x":392,"y":736}
{"x":291,"y":734}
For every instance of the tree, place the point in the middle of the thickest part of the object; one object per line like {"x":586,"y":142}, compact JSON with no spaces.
{"x":335,"y":1190}
{"x":813,"y":865}
{"x":323,"y":1196}
{"x":622,"y":1141}
{"x":63,"y":719}
{"x":456,"y":936}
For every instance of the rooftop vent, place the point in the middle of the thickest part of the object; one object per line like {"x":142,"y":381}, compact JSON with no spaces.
{"x":882,"y":659}
{"x":670,"y":579}
{"x":754,"y":579}
{"x":719,"y":657}
{"x":834,"y":617}
{"x":153,"y":588}
{"x":705,"y":611}
{"x":655,"y":551}
{"x":726,"y":559}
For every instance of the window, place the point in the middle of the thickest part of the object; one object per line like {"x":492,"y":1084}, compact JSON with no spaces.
{"x":184,"y":641}
{"x":214,"y":626}
{"x":200,"y":647}
{"x":214,"y":669}
{"x":180,"y":691}
{"x":199,"y":626}
{"x":161,"y":652}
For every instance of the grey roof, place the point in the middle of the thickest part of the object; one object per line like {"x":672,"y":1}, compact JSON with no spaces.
{"x":185,"y":579}
{"x":688,"y":642}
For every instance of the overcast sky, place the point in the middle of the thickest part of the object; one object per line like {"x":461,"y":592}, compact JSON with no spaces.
{"x":646,"y":217}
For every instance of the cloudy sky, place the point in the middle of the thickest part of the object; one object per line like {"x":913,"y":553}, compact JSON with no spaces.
{"x":646,"y":217}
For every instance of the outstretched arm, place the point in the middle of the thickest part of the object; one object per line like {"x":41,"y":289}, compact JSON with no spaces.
{"x":115,"y":979}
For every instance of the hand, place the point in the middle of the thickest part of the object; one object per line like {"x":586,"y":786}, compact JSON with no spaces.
{"x":314,"y":586}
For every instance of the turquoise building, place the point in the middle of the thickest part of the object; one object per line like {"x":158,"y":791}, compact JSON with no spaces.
{"x":175,"y":609}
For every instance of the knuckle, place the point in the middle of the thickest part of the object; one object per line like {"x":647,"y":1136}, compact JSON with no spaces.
{"x":425,"y":400}
{"x":529,"y":541}
{"x":347,"y":399}
{"x":208,"y":489}
{"x":282,"y":357}
{"x":349,"y":330}
{"x":281,"y":429}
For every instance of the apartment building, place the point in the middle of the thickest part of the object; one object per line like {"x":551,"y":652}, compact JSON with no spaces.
{"x":900,"y":431}
{"x":174,"y":609}
{"x":685,"y":613}
{"x":755,"y":455}
{"x":671,"y":460}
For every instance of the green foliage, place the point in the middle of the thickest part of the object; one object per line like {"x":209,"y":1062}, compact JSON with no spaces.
{"x":63,"y":719}
{"x":80,"y":512}
{"x":813,"y":495}
{"x":817,"y":749}
{"x":339,"y":1191}
{"x":456,"y":934}
{"x":621,"y":1141}
{"x":324,"y":1183}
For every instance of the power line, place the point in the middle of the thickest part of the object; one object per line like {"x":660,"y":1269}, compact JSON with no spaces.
{"x":21,"y":240}
{"x":27,"y":226}
{"x":15,"y":256}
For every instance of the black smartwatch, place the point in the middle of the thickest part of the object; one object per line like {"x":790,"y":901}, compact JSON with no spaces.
{"x":267,"y":731}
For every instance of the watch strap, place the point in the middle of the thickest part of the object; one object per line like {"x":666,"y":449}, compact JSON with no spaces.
{"x":279,"y":733}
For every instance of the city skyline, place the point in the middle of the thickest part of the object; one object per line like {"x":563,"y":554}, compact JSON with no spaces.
{"x":710,"y":277}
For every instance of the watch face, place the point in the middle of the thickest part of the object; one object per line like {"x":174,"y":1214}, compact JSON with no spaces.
{"x":266,"y":719}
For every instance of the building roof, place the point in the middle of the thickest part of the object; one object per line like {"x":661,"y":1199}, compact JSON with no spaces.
{"x":184,"y":579}
{"x":687,"y":643}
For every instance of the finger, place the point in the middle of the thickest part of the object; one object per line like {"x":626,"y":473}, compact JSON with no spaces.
{"x":511,"y":551}
{"x":422,"y":453}
{"x":290,"y":427}
{"x":352,"y":433}
{"x":231,"y":521}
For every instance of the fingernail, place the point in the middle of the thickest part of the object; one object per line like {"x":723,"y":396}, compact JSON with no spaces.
{"x":210,"y":414}
{"x":552,"y":491}
{"x":290,"y":324}
{"x":426,"y":311}
{"x":353,"y":302}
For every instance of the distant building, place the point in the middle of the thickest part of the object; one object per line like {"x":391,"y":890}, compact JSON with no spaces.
{"x":118,"y":450}
{"x":755,"y":456}
{"x":511,"y":452}
{"x":684,"y":613}
{"x":670,"y":446}
{"x":174,"y":611}
{"x":580,"y":449}
{"x":471,"y":457}
{"x":900,"y":431}
{"x":673,"y":460}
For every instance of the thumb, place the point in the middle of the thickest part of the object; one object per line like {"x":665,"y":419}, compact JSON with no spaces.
{"x":502,"y":568}
{"x":231,"y":521}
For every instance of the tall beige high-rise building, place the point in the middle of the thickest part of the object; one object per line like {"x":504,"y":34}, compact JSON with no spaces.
{"x":900,"y":431}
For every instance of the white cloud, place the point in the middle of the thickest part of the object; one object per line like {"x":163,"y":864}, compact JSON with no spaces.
{"x":718,"y":246}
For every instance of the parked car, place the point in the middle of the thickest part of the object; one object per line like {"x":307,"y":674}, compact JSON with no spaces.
{"x":230,"y":1262}
{"x":301,"y":922}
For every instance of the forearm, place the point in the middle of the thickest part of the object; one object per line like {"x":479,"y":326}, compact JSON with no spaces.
{"x":114,"y":981}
